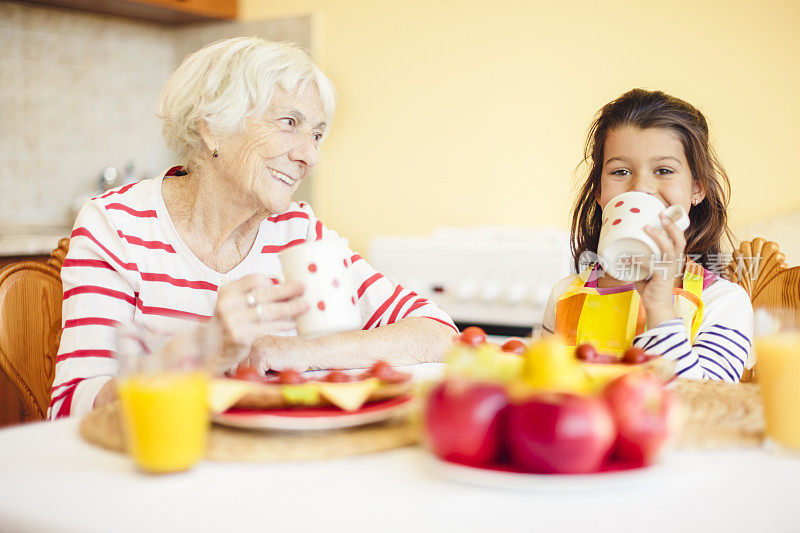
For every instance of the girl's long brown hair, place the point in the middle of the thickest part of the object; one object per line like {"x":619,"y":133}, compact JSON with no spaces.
{"x":655,"y":109}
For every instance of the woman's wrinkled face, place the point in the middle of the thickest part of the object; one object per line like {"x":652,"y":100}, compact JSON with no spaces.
{"x":650,"y":160}
{"x":268,"y":157}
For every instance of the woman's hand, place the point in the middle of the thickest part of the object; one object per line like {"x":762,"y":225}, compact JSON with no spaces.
{"x":251,"y":308}
{"x":276,"y":352}
{"x":407,"y":341}
{"x":657,"y":292}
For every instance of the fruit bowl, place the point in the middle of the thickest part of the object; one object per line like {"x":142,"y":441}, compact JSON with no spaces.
{"x":547,"y":414}
{"x":508,"y":478}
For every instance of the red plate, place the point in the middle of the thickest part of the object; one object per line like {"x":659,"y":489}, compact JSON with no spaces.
{"x":312,"y":418}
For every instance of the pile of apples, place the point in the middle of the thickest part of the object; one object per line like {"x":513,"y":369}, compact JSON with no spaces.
{"x":529,"y":409}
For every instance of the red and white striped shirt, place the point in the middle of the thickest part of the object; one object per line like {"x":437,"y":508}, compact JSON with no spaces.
{"x":127,"y":263}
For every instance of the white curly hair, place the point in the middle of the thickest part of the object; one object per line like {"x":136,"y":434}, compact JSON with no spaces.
{"x":229,"y":80}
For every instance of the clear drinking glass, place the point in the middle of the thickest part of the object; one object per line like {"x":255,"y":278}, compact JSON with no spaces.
{"x":777,"y":349}
{"x":163,"y":390}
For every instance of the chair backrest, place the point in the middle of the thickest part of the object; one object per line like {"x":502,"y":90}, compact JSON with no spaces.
{"x":30,"y":327}
{"x":760,"y":268}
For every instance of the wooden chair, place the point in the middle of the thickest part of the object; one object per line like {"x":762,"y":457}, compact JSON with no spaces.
{"x":760,"y":268}
{"x":30,"y":330}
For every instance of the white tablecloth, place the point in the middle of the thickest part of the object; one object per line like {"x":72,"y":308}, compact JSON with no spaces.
{"x":51,"y":480}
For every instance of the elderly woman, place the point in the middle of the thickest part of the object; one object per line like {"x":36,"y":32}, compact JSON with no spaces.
{"x":246,"y":118}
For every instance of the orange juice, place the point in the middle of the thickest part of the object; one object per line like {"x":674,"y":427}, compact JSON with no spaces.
{"x":167,"y":418}
{"x":779,"y":376}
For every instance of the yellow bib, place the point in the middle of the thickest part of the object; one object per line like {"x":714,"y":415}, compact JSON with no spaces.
{"x":610,"y":320}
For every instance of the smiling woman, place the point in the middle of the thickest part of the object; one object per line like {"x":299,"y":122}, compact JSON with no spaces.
{"x":271,"y":154}
{"x":246,"y":118}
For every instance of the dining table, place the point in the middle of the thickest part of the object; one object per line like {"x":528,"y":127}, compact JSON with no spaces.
{"x":51,"y":480}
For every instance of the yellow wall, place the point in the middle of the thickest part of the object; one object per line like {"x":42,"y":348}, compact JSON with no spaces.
{"x":475,"y":111}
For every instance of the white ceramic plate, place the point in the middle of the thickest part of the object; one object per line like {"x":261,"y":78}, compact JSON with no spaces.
{"x":312,"y":419}
{"x":547,"y":482}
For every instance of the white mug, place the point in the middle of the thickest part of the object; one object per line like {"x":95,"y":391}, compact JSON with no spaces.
{"x":323,"y":269}
{"x":625,"y":251}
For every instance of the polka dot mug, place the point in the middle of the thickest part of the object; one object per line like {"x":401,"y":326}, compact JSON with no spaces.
{"x":323,"y":268}
{"x":625,"y":251}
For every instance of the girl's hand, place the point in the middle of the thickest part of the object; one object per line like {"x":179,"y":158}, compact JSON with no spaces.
{"x":249,"y":309}
{"x":657,"y":292}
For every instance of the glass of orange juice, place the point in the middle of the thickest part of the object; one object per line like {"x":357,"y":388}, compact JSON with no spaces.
{"x":777,"y":350}
{"x":163,"y":390}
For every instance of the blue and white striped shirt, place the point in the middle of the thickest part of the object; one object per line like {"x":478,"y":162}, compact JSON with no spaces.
{"x":721,"y":348}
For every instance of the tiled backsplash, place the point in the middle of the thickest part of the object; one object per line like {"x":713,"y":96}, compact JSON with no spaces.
{"x":78,"y":93}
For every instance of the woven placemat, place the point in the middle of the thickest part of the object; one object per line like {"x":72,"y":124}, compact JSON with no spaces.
{"x":103,"y":427}
{"x":714,"y":415}
{"x":720,"y":415}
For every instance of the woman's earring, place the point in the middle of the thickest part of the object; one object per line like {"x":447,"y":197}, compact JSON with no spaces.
{"x":215,"y":153}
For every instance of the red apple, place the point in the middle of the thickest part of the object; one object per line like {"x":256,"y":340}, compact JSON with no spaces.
{"x":642,"y":409}
{"x":463,"y":420}
{"x":560,"y":433}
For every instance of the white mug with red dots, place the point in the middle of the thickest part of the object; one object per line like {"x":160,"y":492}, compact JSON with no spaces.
{"x":625,"y":251}
{"x":323,"y":269}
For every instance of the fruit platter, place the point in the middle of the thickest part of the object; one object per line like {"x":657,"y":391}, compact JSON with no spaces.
{"x":545,"y":410}
{"x":290,"y":400}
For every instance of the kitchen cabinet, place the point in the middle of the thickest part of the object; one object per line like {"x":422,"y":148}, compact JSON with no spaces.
{"x":167,"y":11}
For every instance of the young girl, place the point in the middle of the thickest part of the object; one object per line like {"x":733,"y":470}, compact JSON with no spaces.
{"x":651,"y":142}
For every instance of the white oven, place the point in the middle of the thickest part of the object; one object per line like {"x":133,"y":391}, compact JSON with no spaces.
{"x":498,"y":278}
